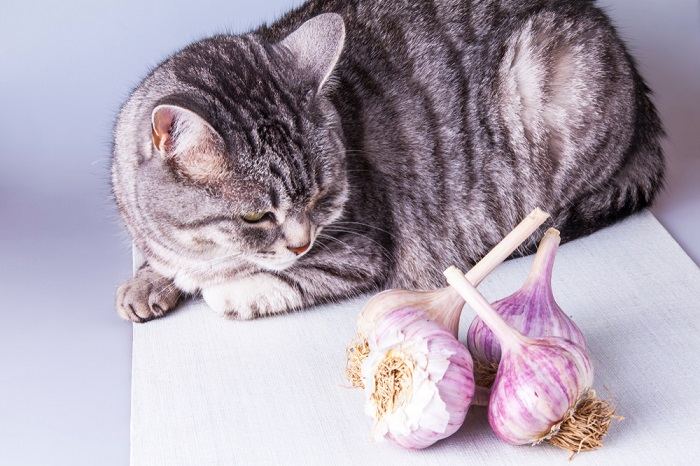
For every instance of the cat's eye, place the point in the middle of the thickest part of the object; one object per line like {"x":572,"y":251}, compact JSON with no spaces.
{"x":257,"y":217}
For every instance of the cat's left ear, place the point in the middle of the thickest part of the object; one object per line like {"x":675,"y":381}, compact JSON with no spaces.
{"x":316,"y":46}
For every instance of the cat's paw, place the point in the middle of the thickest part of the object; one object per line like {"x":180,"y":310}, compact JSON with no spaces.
{"x":147,"y":296}
{"x":253,"y":296}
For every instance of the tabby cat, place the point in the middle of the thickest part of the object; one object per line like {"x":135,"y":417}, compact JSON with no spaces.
{"x":356,"y":145}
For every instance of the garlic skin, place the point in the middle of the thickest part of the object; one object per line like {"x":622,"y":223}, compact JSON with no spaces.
{"x":539,"y":382}
{"x":426,"y":394}
{"x":532,"y":310}
{"x":443,"y":306}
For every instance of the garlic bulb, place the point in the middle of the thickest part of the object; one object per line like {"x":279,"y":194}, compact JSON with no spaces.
{"x":543,"y":387}
{"x":443,"y":306}
{"x":418,"y":379}
{"x":531,"y":310}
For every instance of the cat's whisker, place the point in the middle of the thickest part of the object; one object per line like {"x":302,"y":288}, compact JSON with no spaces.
{"x":325,"y":247}
{"x":383,"y":250}
{"x":363,"y":224}
{"x":344,"y":244}
{"x":436,"y":270}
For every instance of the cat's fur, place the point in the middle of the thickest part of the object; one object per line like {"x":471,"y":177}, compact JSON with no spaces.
{"x":411,"y":134}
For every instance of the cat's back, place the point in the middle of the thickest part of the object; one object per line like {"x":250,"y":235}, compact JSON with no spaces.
{"x":462,"y":116}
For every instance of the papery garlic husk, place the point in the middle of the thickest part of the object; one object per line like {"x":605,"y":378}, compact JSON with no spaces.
{"x":418,"y":379}
{"x":532,"y":311}
{"x":443,"y":306}
{"x":542,"y":387}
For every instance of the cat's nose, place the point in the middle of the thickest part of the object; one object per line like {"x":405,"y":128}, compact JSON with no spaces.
{"x":299,"y":250}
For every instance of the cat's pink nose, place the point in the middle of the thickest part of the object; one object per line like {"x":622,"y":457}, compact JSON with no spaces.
{"x":299,"y":250}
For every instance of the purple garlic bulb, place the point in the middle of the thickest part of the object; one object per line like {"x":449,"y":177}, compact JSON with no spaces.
{"x":539,"y":381}
{"x":531,"y":310}
{"x":418,"y":379}
{"x":542,"y":391}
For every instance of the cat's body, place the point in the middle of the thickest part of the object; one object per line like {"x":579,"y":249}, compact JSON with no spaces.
{"x":443,"y":123}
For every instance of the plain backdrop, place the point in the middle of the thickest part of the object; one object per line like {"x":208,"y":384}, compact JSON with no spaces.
{"x":65,"y":67}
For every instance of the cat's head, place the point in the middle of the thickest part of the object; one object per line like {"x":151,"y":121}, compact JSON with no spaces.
{"x":247,"y":157}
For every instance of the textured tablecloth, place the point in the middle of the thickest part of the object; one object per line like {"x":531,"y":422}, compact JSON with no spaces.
{"x":207,"y":391}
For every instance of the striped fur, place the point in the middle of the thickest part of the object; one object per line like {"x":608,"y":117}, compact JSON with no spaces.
{"x":442,"y":124}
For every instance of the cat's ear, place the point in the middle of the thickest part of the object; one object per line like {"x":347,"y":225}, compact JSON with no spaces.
{"x":316,"y":46}
{"x":186,"y":139}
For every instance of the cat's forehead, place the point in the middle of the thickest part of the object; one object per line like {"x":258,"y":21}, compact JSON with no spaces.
{"x":259,"y":125}
{"x":267,"y":184}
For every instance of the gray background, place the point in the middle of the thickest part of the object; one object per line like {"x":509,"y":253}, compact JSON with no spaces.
{"x":65,"y":66}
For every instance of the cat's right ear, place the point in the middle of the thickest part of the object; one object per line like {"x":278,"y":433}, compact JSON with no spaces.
{"x":176,"y":130}
{"x":186,"y":139}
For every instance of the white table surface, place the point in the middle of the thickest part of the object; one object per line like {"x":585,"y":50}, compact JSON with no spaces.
{"x":208,"y":391}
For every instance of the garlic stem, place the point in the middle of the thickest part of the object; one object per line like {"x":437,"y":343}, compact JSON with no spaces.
{"x":507,"y":246}
{"x":502,"y":251}
{"x":506,"y":334}
{"x":543,"y":264}
{"x":448,"y":301}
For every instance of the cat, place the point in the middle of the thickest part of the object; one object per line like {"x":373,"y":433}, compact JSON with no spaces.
{"x":358,"y":145}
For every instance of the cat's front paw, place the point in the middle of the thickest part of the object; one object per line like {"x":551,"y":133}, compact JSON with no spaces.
{"x":253,"y":296}
{"x":147,"y":296}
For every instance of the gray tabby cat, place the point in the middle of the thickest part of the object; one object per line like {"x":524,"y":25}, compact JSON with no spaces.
{"x":365,"y":144}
